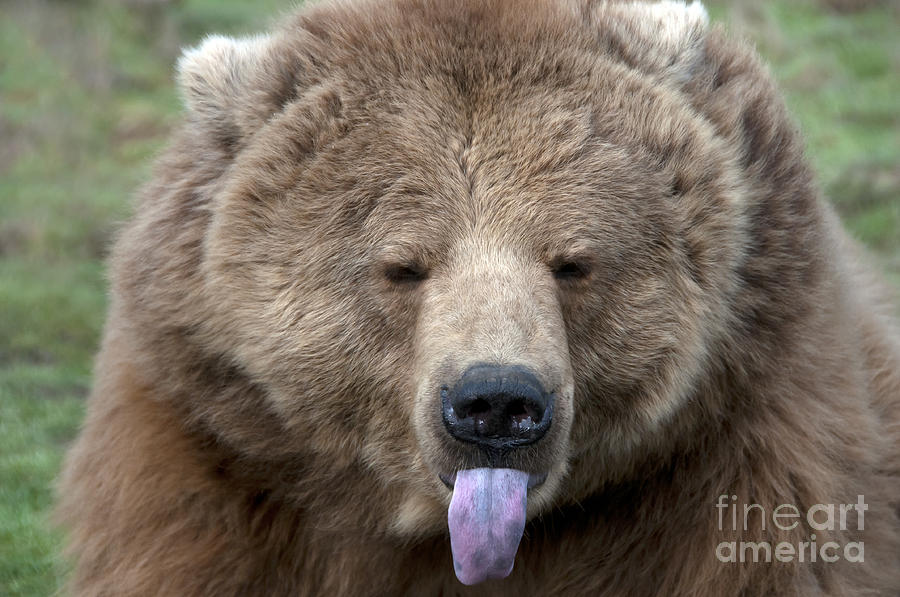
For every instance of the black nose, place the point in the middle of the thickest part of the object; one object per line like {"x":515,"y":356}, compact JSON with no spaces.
{"x":497,"y":407}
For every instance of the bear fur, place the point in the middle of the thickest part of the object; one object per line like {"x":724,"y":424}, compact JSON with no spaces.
{"x":380,"y":193}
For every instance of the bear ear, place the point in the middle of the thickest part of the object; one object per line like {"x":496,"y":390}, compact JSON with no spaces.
{"x":661,"y":37}
{"x":220,"y":81}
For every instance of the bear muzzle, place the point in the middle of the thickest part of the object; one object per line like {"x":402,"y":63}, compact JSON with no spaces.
{"x":498,"y":409}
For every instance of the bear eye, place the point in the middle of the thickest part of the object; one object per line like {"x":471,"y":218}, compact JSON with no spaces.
{"x":570,"y":270}
{"x":408,"y":273}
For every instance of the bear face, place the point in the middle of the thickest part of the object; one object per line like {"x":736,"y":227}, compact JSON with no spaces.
{"x":376,"y":239}
{"x":411,"y":266}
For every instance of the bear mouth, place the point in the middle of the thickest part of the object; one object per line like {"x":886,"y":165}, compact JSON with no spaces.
{"x":534,"y":480}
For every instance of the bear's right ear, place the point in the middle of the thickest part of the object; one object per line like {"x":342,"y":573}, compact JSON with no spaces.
{"x":664,"y":38}
{"x":225,"y":86}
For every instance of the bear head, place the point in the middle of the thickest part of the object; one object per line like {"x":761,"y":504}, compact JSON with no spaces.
{"x":442,"y":248}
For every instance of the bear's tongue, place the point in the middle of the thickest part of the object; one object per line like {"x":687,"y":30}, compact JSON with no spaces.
{"x":486,"y":519}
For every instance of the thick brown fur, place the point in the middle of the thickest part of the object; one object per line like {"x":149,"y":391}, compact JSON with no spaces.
{"x":263,"y":420}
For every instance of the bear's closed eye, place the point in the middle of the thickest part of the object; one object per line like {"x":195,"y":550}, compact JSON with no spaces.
{"x":405,"y":274}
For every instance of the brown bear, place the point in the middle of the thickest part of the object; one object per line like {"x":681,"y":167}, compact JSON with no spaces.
{"x":487,"y":297}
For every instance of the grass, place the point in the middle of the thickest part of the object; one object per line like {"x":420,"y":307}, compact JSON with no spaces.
{"x":86,"y":100}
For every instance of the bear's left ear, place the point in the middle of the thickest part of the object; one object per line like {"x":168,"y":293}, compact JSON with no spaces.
{"x":231,"y":86}
{"x":664,"y":38}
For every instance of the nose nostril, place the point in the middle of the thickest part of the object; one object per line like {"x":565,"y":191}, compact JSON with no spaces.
{"x":478,"y":408}
{"x":523,"y":417}
{"x":521,"y":410}
{"x":519,"y":418}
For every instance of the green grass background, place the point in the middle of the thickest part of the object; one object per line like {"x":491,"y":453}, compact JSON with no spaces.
{"x":86,"y":100}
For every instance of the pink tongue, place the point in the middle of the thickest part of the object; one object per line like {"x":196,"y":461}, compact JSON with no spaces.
{"x":486,"y":519}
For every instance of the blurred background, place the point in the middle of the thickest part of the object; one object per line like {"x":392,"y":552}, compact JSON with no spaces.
{"x":86,"y":101}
